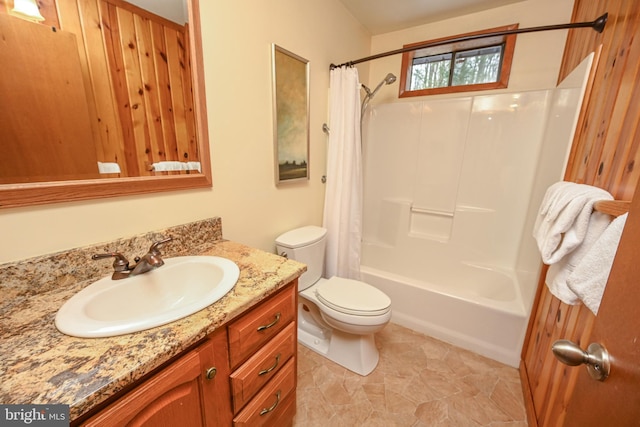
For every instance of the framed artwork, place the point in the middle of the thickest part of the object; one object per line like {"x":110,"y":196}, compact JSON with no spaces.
{"x":290,"y":116}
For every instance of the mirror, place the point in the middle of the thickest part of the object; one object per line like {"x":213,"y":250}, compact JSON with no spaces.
{"x":172,"y":152}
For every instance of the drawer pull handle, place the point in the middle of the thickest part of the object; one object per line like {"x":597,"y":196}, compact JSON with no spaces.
{"x":267,"y":410}
{"x":263,"y":327}
{"x":266,"y":371}
{"x":211,"y":373}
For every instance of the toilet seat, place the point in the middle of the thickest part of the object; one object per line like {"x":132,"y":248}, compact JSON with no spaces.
{"x":352,"y":297}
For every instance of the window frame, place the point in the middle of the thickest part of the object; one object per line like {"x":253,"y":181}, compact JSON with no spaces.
{"x":443,"y":47}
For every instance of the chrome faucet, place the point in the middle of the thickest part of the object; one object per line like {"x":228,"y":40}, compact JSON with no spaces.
{"x":149,"y":261}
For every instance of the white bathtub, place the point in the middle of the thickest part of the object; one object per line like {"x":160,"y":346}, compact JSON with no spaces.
{"x":471,"y":306}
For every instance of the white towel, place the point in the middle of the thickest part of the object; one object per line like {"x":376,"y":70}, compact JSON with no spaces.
{"x":108,"y":167}
{"x":167,"y":166}
{"x":563,"y":218}
{"x":589,"y":279}
{"x":175,"y":166}
{"x":558,"y":272}
{"x":191,"y":166}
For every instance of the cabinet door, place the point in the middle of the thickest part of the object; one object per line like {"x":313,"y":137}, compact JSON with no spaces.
{"x":214,"y":360}
{"x":170,"y":398}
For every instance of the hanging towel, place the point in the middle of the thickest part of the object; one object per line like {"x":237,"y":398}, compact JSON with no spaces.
{"x":563,"y":218}
{"x":565,"y":230}
{"x":589,"y":279}
{"x":168,"y":166}
{"x":558,"y":272}
{"x":108,"y":167}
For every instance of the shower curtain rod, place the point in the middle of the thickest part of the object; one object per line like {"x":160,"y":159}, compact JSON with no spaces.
{"x":597,"y":25}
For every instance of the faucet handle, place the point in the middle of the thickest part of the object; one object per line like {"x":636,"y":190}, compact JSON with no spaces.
{"x":155,"y":247}
{"x":119,"y":264}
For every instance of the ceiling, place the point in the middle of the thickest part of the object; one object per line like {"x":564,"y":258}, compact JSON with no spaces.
{"x":383,"y":16}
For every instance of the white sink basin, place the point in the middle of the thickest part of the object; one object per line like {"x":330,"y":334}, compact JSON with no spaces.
{"x":182,"y":286}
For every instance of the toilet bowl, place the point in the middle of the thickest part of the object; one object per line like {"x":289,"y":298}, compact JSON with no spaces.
{"x":337,"y":317}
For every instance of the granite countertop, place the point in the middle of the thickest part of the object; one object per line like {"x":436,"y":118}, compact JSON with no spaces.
{"x":40,"y":365}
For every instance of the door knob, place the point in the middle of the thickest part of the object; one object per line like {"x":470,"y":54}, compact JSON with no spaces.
{"x":596,"y":357}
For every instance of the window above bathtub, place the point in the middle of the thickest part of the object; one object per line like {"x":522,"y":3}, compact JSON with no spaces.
{"x":472,"y":65}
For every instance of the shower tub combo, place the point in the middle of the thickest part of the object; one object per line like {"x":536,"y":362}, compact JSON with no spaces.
{"x":451,"y":191}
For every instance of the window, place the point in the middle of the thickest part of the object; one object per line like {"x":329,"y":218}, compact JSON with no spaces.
{"x":471,"y":65}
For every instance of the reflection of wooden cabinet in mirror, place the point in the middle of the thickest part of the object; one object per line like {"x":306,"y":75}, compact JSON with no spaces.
{"x":146,"y":108}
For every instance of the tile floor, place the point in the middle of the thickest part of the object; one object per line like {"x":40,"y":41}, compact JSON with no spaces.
{"x":419,"y":381}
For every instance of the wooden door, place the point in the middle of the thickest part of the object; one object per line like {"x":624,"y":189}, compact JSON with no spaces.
{"x":45,"y":130}
{"x":616,"y":400}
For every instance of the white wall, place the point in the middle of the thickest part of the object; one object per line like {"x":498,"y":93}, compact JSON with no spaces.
{"x":237,"y":39}
{"x":537,"y":56}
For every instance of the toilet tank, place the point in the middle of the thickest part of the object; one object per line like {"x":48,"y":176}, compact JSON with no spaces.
{"x":306,"y":245}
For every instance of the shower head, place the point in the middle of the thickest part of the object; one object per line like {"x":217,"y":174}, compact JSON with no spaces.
{"x":389,"y":79}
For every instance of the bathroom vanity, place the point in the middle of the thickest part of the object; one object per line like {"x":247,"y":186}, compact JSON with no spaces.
{"x":224,"y":365}
{"x":243,"y":374}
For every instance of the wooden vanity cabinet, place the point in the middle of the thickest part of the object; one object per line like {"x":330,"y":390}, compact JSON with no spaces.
{"x":243,"y":374}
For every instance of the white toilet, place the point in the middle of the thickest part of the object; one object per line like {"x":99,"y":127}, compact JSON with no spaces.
{"x":336,"y":317}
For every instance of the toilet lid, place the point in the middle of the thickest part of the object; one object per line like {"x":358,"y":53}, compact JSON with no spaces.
{"x":352,"y":297}
{"x":303,"y":236}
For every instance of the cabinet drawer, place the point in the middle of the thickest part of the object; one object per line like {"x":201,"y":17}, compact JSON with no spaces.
{"x":271,"y":403}
{"x":249,"y":333}
{"x":262,"y":366}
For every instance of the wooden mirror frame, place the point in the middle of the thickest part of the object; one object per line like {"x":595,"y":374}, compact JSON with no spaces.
{"x":38,"y":193}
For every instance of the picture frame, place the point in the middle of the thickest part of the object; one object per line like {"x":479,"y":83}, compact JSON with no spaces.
{"x":290,"y":81}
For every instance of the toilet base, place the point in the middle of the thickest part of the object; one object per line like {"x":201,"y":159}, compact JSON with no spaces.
{"x":357,"y":353}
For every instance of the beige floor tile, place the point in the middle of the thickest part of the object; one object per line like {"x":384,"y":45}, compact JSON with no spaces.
{"x":419,"y":382}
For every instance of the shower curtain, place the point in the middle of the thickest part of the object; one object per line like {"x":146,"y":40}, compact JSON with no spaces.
{"x":343,"y":197}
